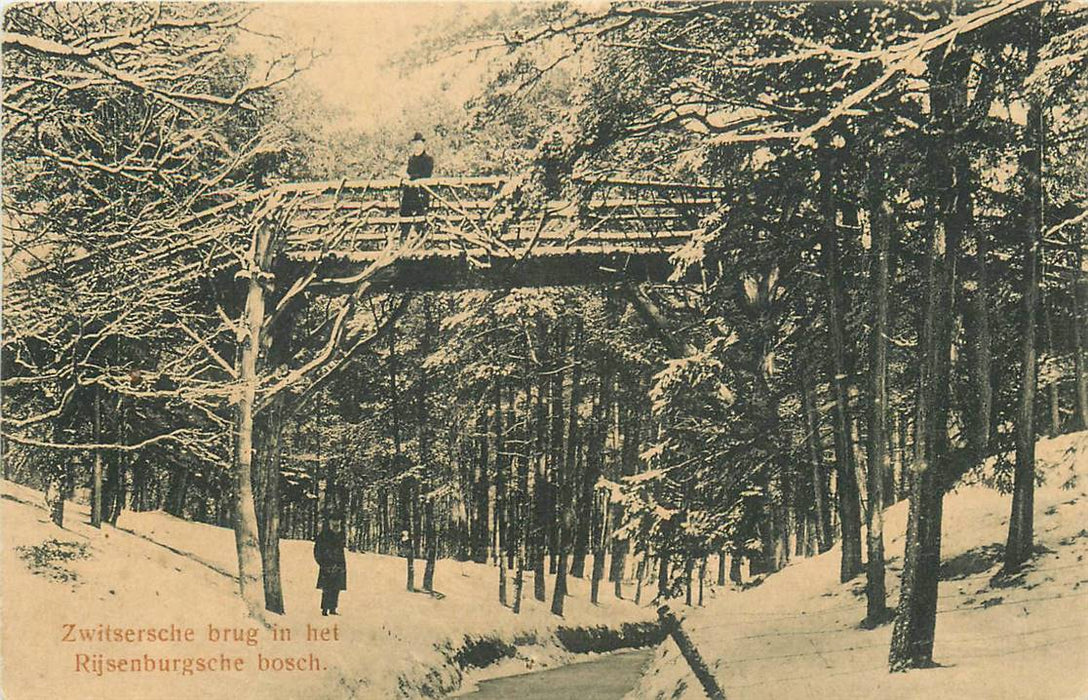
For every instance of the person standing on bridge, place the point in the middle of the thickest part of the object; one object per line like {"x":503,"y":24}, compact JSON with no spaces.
{"x":332,"y":574}
{"x":414,"y":201}
{"x":555,"y":165}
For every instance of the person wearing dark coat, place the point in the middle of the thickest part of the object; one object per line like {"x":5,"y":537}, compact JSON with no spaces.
{"x":414,"y":201}
{"x":332,"y":574}
{"x":554,"y":164}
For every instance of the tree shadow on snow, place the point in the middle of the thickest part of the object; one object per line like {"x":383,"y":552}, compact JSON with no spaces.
{"x":972,"y":562}
{"x":437,"y":595}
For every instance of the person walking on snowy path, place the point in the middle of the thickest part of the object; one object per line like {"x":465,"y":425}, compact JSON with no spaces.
{"x":332,"y":574}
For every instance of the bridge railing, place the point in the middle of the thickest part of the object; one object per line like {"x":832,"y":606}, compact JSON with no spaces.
{"x":473,"y":212}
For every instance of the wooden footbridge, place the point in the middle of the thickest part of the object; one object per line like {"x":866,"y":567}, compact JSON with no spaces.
{"x":484,"y":232}
{"x":478,"y":232}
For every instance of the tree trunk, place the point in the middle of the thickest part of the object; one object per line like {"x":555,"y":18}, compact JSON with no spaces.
{"x":629,"y":427}
{"x":1080,"y":373}
{"x":811,"y":546}
{"x":139,"y":498}
{"x":689,"y":565}
{"x":422,"y":412}
{"x":800,"y":525}
{"x":876,"y":461}
{"x":269,"y":425}
{"x":502,"y":580}
{"x":849,"y":498}
{"x":846,"y":470}
{"x":522,"y":520}
{"x":617,"y":565}
{"x":894,"y":487}
{"x":563,"y":508}
{"x":597,"y":575}
{"x":559,"y":591}
{"x":906,"y":448}
{"x":1021,"y":522}
{"x":556,"y":466}
{"x":245,"y":513}
{"x":782,"y":528}
{"x":584,"y":517}
{"x":406,"y":492}
{"x":432,"y":545}
{"x":96,"y":478}
{"x":982,"y":360}
{"x":1055,"y":379}
{"x":519,"y":576}
{"x":541,"y":488}
{"x":702,"y":578}
{"x":517,"y":480}
{"x":539,"y":590}
{"x":482,"y":490}
{"x":266,"y":490}
{"x":502,"y":537}
{"x":663,"y":567}
{"x":177,"y":491}
{"x":409,"y":540}
{"x":114,"y":489}
{"x":916,"y":616}
{"x":56,"y":490}
{"x":383,"y":520}
{"x":815,"y":455}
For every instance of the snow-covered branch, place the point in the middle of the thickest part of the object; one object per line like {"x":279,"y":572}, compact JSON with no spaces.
{"x":179,"y":436}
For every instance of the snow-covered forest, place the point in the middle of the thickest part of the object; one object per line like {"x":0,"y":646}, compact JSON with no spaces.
{"x":883,"y":301}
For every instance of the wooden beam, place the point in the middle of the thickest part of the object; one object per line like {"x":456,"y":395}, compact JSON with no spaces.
{"x":331,"y":186}
{"x":547,"y":266}
{"x":555,"y":207}
{"x":515,"y":239}
{"x":650,"y":184}
{"x":389,"y":183}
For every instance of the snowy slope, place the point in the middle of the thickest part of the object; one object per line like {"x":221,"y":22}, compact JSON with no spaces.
{"x":155,"y":570}
{"x":797,"y":634}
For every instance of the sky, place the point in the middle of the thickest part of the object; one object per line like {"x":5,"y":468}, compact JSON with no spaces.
{"x":360,"y":42}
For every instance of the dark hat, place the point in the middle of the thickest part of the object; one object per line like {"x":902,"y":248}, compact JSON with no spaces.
{"x":418,"y":137}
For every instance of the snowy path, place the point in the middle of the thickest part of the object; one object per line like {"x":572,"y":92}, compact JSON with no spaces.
{"x":797,"y":634}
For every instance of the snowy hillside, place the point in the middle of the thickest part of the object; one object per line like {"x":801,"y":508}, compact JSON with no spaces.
{"x":797,"y":634}
{"x":155,"y":570}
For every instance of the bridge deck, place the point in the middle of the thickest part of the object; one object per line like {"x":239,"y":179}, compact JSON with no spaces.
{"x":489,"y":231}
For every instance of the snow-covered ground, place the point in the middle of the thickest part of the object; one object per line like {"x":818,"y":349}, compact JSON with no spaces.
{"x":796,"y":635}
{"x":155,"y":570}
